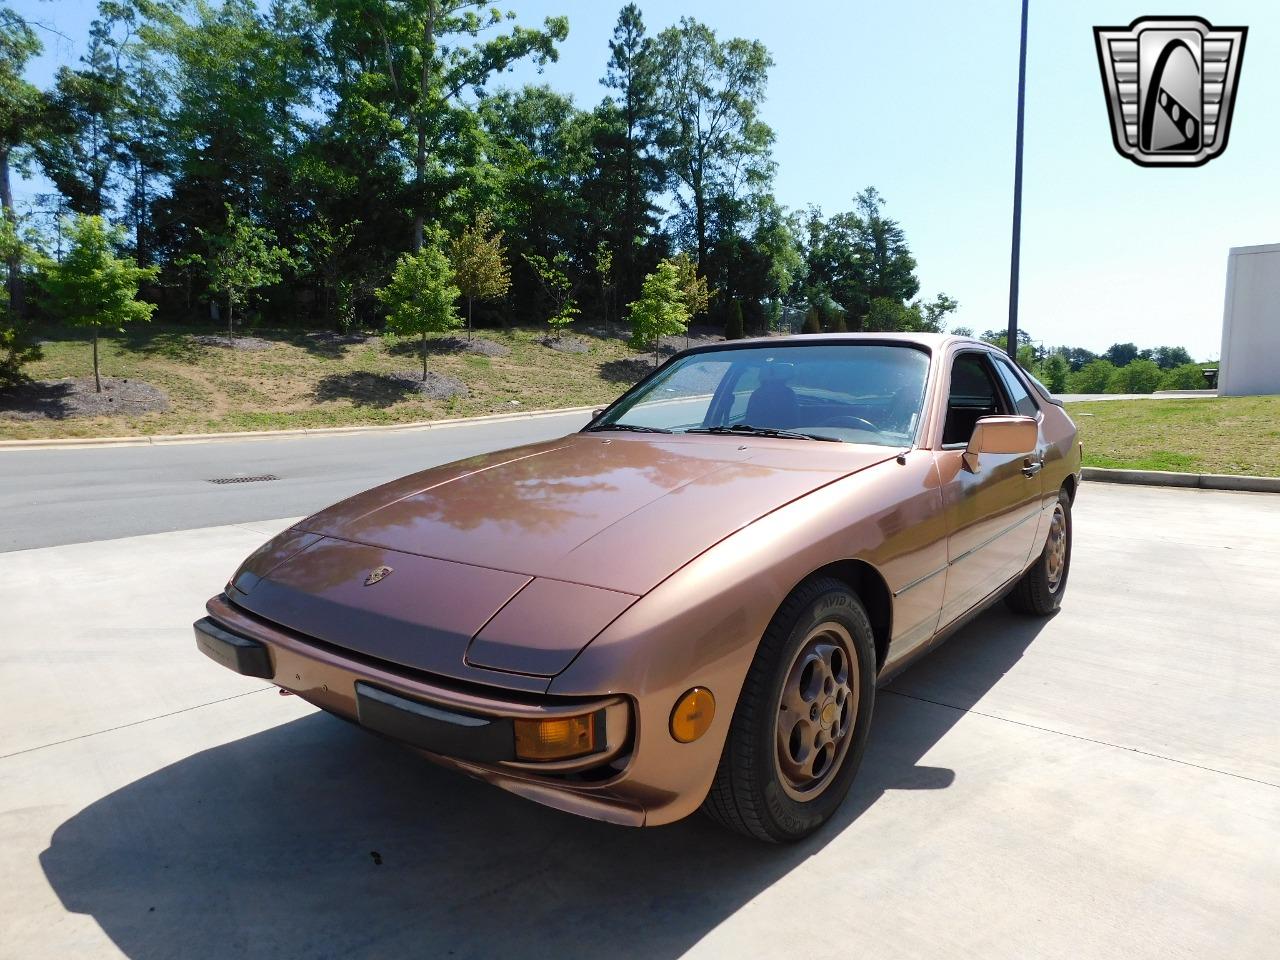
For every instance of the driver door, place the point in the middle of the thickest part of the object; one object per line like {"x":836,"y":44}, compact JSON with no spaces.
{"x":992,"y":507}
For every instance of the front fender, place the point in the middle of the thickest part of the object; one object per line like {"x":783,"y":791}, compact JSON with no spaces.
{"x":701,"y":626}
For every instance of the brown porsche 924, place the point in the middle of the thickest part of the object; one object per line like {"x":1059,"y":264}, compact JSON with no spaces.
{"x":690,"y":602}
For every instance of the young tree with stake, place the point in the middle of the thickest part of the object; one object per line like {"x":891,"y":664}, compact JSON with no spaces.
{"x":421,"y":295}
{"x":94,"y":288}
{"x":242,"y":259}
{"x":660,"y":311}
{"x":554,"y":277}
{"x":480,"y":264}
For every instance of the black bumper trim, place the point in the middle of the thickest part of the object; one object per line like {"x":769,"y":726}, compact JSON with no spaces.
{"x":463,"y":736}
{"x":247,"y":657}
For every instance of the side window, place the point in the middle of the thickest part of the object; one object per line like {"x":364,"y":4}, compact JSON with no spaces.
{"x":973,"y":395}
{"x":1022,"y":401}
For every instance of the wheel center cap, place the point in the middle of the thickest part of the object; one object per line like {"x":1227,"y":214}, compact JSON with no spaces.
{"x":828,"y":715}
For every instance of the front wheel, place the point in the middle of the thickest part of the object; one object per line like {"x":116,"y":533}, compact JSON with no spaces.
{"x":1040,"y":590}
{"x":801,"y":723}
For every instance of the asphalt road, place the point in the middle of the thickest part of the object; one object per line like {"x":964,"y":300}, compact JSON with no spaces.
{"x":1102,"y":784}
{"x":51,"y":497}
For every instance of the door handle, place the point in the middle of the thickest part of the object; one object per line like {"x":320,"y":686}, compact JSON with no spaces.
{"x":1031,"y":467}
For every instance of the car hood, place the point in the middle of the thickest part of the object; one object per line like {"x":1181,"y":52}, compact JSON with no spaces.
{"x":515,"y":561}
{"x":615,"y":511}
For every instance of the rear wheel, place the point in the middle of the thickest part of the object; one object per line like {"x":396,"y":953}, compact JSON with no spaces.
{"x":801,"y":723}
{"x":1040,"y":590}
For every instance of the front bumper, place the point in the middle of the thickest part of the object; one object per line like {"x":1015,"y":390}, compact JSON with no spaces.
{"x":467,"y":729}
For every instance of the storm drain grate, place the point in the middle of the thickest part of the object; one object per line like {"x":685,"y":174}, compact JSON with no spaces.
{"x":259,"y":479}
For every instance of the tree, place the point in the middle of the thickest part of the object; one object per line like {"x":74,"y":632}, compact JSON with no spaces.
{"x":407,"y":64}
{"x":603,"y":262}
{"x":709,"y":95}
{"x":962,"y":331}
{"x":83,"y":147}
{"x":812,"y":321}
{"x":1121,"y":354}
{"x":1167,"y":358}
{"x":479,"y":263}
{"x":660,"y":311}
{"x":1053,"y":372}
{"x":630,"y":168}
{"x":242,"y":258}
{"x":693,"y":286}
{"x":1077,"y":357}
{"x":421,"y":295}
{"x":557,"y":287}
{"x":540,"y":146}
{"x":92,"y":287}
{"x":1140,"y":376}
{"x":1093,"y":377}
{"x":733,"y":328}
{"x":20,"y":110}
{"x":858,"y":257}
{"x":933,"y":314}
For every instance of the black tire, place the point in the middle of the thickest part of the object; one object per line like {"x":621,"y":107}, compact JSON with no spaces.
{"x":1036,"y":593}
{"x":748,"y":794}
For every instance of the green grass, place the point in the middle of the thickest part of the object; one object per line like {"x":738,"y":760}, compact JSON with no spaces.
{"x":1236,"y":435}
{"x":296,"y":383}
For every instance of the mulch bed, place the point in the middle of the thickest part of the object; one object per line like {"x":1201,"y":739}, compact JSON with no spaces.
{"x":437,"y":386}
{"x":478,"y":345}
{"x":566,"y":344}
{"x":65,"y":399}
{"x":331,"y":338}
{"x":251,"y":344}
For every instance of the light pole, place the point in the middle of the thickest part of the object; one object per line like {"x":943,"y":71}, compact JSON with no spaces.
{"x":1011,"y":343}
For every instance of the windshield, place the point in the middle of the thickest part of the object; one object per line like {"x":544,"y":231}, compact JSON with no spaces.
{"x":855,"y":393}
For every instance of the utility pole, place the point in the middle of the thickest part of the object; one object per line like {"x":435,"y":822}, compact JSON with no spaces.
{"x":1011,"y":343}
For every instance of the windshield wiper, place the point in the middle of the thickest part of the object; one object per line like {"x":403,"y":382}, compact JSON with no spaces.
{"x":633,"y":427}
{"x":748,"y":430}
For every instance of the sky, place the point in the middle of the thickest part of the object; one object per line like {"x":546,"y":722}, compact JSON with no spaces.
{"x":919,"y":100}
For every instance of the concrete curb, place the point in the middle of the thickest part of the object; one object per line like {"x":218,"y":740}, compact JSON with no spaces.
{"x":146,"y":441}
{"x":1201,"y":481}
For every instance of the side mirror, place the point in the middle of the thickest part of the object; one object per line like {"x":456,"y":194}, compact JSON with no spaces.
{"x":596,"y":412}
{"x":1001,"y":435}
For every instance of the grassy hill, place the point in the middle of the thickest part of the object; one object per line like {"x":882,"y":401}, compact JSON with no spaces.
{"x":296,"y":379}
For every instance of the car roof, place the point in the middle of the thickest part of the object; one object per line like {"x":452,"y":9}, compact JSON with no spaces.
{"x":932,"y":341}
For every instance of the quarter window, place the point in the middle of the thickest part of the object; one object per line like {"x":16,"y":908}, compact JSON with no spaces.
{"x":1022,"y":401}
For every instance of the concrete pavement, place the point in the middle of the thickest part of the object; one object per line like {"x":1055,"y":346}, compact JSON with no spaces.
{"x":1102,"y":784}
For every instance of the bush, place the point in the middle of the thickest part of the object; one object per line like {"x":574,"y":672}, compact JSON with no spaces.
{"x":17,"y":335}
{"x":1093,"y":377}
{"x":17,"y":347}
{"x":1186,"y":376}
{"x":1141,"y":376}
{"x":733,"y":327}
{"x":812,"y":321}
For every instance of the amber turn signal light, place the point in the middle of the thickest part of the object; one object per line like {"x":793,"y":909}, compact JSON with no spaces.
{"x":556,"y":738}
{"x":693,"y":714}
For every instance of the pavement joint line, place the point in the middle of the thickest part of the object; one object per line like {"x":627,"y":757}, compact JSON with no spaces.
{"x":134,"y":723}
{"x":1076,"y":736}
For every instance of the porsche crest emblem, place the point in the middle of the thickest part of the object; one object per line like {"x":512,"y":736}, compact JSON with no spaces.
{"x":1170,"y":84}
{"x":377,"y":574}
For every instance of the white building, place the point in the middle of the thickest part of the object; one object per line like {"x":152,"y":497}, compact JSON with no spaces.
{"x":1250,"y":363}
